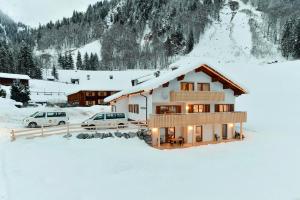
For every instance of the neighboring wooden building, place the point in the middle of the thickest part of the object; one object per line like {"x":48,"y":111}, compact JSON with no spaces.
{"x":92,"y":87}
{"x":191,"y":105}
{"x":89,"y":97}
{"x":8,"y":79}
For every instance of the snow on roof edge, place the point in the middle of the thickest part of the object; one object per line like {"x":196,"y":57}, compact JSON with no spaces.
{"x":156,"y":82}
{"x":14,"y":76}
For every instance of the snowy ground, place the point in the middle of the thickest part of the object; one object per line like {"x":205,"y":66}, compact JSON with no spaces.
{"x":264,"y":166}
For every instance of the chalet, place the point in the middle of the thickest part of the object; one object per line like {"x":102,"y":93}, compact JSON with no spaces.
{"x":188,"y":106}
{"x":8,"y":79}
{"x":89,"y":97}
{"x":94,"y":86}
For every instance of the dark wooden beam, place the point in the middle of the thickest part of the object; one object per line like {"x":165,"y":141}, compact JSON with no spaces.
{"x":180,"y":78}
{"x":214,"y":79}
{"x":199,"y":69}
{"x":225,"y":86}
{"x":166,"y":84}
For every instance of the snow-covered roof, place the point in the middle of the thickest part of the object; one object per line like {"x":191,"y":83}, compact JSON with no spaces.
{"x":101,"y":80}
{"x":14,"y":76}
{"x":166,"y":77}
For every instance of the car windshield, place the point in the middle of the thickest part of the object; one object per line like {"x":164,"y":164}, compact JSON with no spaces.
{"x":93,"y":116}
{"x":34,"y":114}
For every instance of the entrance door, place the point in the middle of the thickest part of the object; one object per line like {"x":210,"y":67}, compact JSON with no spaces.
{"x":170,"y":134}
{"x":199,"y":133}
{"x":224,"y":131}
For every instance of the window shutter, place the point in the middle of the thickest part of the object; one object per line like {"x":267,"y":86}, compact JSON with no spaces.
{"x":217,"y":108}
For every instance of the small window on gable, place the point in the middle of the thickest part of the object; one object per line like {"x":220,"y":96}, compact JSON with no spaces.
{"x":186,"y":86}
{"x":203,"y":87}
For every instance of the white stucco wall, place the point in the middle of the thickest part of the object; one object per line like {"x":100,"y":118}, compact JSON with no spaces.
{"x":162,"y":95}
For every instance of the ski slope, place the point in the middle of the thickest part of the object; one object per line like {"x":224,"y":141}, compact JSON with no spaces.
{"x":231,"y":40}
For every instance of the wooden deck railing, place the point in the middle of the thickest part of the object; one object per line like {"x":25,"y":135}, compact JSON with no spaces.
{"x":197,"y":96}
{"x":172,"y":120}
{"x":70,"y":128}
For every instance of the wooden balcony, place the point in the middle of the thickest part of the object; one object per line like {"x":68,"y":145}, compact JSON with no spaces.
{"x":196,"y":96}
{"x":172,"y":120}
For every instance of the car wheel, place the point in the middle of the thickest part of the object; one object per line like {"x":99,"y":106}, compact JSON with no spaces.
{"x":121,"y":125}
{"x":32,"y":125}
{"x":61,"y":123}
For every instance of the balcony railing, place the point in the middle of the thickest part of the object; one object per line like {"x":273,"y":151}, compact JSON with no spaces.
{"x":196,"y":96}
{"x":172,"y":120}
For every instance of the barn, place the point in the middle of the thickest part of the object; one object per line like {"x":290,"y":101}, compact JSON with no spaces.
{"x":8,"y":79}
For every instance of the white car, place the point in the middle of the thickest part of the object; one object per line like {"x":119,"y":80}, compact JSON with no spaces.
{"x":39,"y":119}
{"x":106,"y":119}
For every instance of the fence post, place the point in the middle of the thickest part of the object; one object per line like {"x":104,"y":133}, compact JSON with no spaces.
{"x":68,"y":128}
{"x":42,"y":130}
{"x":12,"y":135}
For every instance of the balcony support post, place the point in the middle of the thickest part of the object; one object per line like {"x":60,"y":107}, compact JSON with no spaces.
{"x":241,"y":130}
{"x":158,"y":138}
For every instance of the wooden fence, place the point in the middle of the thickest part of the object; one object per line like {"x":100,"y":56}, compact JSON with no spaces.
{"x":72,"y":128}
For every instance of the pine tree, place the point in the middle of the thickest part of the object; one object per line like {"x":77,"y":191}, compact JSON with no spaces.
{"x":26,"y":64}
{"x":190,"y":42}
{"x":79,"y":61}
{"x":71,"y":61}
{"x":2,"y":93}
{"x":20,"y":93}
{"x":86,"y":62}
{"x":287,"y":40}
{"x":297,"y":41}
{"x":61,"y":61}
{"x":54,"y":73}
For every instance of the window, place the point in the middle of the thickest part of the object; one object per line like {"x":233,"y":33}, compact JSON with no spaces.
{"x":133,"y":108}
{"x":166,"y":109}
{"x":51,"y":114}
{"x":89,"y":103}
{"x":40,"y":115}
{"x":198,"y":108}
{"x":203,"y":86}
{"x":100,"y":101}
{"x":99,"y":117}
{"x":61,"y":114}
{"x":185,"y":86}
{"x":102,"y":94}
{"x":111,"y":116}
{"x":224,"y":108}
{"x":120,"y":115}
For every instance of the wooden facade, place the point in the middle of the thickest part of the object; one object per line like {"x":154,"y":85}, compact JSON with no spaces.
{"x":196,"y":119}
{"x":89,"y":98}
{"x":10,"y":81}
{"x":196,"y":96}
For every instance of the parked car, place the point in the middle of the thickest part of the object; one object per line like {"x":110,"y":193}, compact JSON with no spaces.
{"x":106,"y":119}
{"x":39,"y":119}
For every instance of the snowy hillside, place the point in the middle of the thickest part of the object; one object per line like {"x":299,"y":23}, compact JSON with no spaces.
{"x":234,"y":39}
{"x":264,"y":166}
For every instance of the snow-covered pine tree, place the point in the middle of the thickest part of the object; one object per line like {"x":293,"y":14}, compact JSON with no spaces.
{"x":190,"y":42}
{"x":26,"y":64}
{"x":86,"y":62}
{"x":61,"y":61}
{"x":54,"y":72}
{"x":288,"y":39}
{"x":79,"y":61}
{"x":2,"y":93}
{"x":71,"y":61}
{"x":20,"y":92}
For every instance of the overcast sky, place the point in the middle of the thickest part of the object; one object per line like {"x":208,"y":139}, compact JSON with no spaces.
{"x":33,"y":12}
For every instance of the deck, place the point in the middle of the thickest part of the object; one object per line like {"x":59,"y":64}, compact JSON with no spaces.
{"x":177,"y":146}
